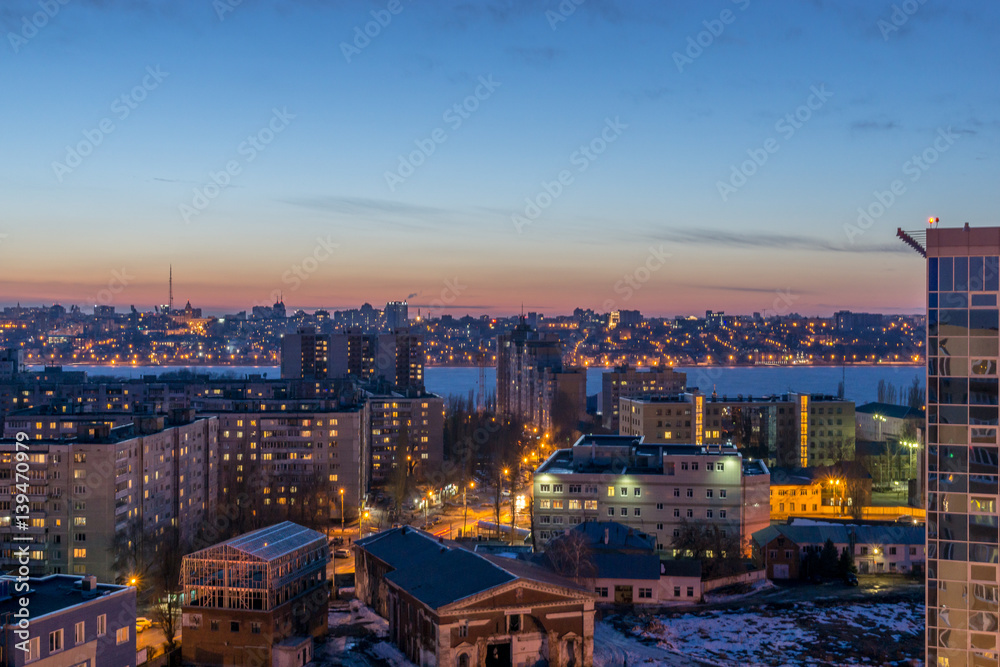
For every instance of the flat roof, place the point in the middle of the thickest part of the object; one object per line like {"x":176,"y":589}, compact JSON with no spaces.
{"x":53,"y":593}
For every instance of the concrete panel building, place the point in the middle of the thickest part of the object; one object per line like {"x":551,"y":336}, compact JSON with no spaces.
{"x":788,"y":429}
{"x":628,"y":382}
{"x":74,"y":622}
{"x":135,"y":482}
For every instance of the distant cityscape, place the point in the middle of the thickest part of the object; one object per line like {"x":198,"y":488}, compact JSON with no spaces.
{"x":186,"y":336}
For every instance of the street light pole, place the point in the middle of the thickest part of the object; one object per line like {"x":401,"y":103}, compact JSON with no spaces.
{"x":465,"y":505}
{"x":341,"y":510}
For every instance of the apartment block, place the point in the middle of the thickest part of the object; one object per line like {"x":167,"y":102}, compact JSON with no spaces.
{"x":628,"y":382}
{"x":395,"y":358}
{"x":73,"y":621}
{"x":401,"y":429}
{"x":531,"y":377}
{"x":654,"y":488}
{"x":281,"y":456}
{"x":135,"y":481}
{"x":794,"y":430}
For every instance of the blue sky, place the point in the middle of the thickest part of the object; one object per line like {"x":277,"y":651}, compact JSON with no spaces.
{"x":652,"y":219}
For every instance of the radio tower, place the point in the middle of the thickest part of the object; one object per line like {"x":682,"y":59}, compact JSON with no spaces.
{"x":170,"y":302}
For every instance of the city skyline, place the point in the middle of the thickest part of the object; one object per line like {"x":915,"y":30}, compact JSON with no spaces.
{"x":731,"y":147}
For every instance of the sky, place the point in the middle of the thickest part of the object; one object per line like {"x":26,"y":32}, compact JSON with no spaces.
{"x":481,"y":157}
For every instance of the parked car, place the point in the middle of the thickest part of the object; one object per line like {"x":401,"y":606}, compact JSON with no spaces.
{"x":851,"y":579}
{"x":142,"y":623}
{"x":342,"y":553}
{"x":337,"y":541}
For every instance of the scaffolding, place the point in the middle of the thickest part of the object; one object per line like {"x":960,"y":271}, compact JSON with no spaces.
{"x":257,"y":571}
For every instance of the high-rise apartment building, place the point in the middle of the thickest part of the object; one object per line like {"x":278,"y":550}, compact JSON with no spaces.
{"x":396,"y":315}
{"x":395,"y":359}
{"x":305,"y":355}
{"x":531,"y":377}
{"x":284,"y":459}
{"x":401,"y":430}
{"x":963,"y":335}
{"x":105,"y":492}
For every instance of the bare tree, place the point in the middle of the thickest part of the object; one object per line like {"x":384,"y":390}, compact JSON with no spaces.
{"x":915,"y":395}
{"x":720,"y":550}
{"x":167,"y":586}
{"x":571,"y":556}
{"x":886,"y":392}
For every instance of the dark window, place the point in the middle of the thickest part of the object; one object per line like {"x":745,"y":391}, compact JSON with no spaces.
{"x":961,"y":274}
{"x":991,"y":273}
{"x":234,"y":626}
{"x":946,"y":276}
{"x":975,"y":274}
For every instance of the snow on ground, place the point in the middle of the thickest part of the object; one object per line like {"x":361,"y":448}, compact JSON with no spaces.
{"x":613,"y":649}
{"x":804,"y":633}
{"x":754,"y":588}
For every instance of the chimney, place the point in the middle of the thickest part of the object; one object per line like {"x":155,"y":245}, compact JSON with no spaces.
{"x":607,"y":535}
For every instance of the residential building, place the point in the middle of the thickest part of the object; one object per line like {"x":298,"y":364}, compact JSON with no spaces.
{"x":531,"y":378}
{"x":11,"y":364}
{"x":401,"y":429}
{"x":395,"y":359}
{"x":396,"y":315}
{"x":963,"y":583}
{"x":109,"y":489}
{"x":400,"y":360}
{"x":449,"y":606}
{"x":876,"y":549}
{"x":305,"y":355}
{"x":628,"y":382}
{"x":787,"y":429}
{"x":73,"y":621}
{"x":285,"y":458}
{"x":258,"y":599}
{"x":653,"y":488}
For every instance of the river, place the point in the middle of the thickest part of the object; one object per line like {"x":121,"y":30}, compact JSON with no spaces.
{"x":860,"y":382}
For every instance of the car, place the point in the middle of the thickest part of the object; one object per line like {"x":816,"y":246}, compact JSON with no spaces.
{"x":337,"y":541}
{"x":342,"y":553}
{"x":851,"y":579}
{"x":142,"y":623}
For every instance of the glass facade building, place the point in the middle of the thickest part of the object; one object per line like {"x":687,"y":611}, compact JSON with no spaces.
{"x":963,"y":334}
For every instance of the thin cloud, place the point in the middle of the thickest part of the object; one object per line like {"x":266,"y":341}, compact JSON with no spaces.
{"x":874,"y":125}
{"x":744,"y":240}
{"x":744,"y":288}
{"x":535,"y":57}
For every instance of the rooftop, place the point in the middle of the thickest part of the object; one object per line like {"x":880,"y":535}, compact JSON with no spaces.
{"x":890,"y":410}
{"x":843,"y":534}
{"x":51,"y":594}
{"x":439,"y":572}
